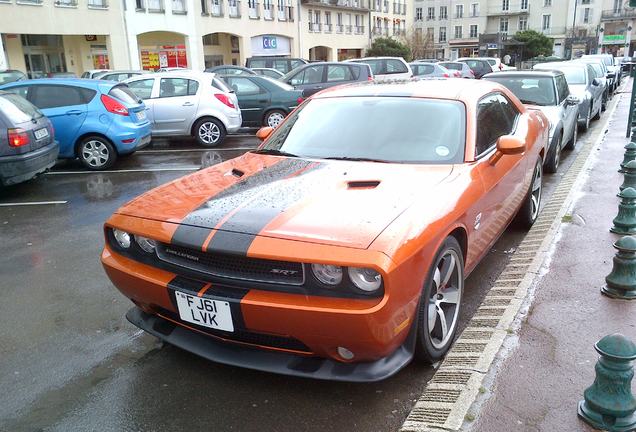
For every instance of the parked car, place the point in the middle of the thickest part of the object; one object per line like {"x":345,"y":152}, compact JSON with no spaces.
{"x":548,"y":92}
{"x":431,"y":70}
{"x":197,"y":104}
{"x":429,"y":60}
{"x":583,"y":84}
{"x":10,"y":75}
{"x":283,"y":64}
{"x":313,"y":77}
{"x":95,"y":121}
{"x":230,"y":70}
{"x":478,"y":66}
{"x":386,"y":68}
{"x":27,"y":141}
{"x":601,"y":73}
{"x":120,"y":75}
{"x":61,"y":75}
{"x":268,"y":72}
{"x":613,"y":71}
{"x":91,"y":73}
{"x":174,"y":69}
{"x":339,"y":249}
{"x":462,"y":68}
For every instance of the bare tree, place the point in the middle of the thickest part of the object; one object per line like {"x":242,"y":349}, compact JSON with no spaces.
{"x":422,"y":44}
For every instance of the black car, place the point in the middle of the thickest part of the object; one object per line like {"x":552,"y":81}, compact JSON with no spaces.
{"x":313,"y":77}
{"x":27,"y":143}
{"x":479,"y":67}
{"x":230,"y":70}
{"x":283,"y":64}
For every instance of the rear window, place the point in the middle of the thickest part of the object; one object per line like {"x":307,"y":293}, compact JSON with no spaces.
{"x":219,"y":84}
{"x":424,"y":69}
{"x":395,"y":66}
{"x":257,"y":63}
{"x":454,"y":66}
{"x":17,"y":109}
{"x":124,"y":94}
{"x":52,"y":96}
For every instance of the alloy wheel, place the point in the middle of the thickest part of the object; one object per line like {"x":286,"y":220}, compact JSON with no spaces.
{"x":209,"y":132}
{"x":537,"y":185}
{"x":95,"y":153}
{"x":274,"y":118}
{"x":444,"y":299}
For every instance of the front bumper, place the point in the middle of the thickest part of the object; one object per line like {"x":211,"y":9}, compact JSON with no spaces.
{"x":270,"y":361}
{"x":20,"y":168}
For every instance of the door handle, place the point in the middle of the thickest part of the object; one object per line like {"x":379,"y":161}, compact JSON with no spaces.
{"x":73,"y":112}
{"x":188,"y":104}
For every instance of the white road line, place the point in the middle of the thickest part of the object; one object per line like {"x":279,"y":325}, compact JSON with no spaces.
{"x":32,"y":203}
{"x":194,"y":150}
{"x":139,"y":170}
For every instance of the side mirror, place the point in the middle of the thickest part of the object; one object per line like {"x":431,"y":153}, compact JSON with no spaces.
{"x":596,"y":82}
{"x":264,"y":132}
{"x":508,"y":145}
{"x":572,"y":100}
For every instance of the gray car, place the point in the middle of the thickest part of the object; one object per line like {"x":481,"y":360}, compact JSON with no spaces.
{"x":430,"y":70}
{"x":462,"y":68}
{"x":313,"y":77}
{"x":27,"y":144}
{"x":120,"y":75}
{"x":613,"y":71}
{"x":583,"y":84}
{"x":601,"y":73}
{"x":548,"y":92}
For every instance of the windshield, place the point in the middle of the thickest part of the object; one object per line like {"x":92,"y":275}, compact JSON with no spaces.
{"x":18,"y":109}
{"x":392,"y":129}
{"x":277,"y":83}
{"x":573,"y":75}
{"x":530,"y":90}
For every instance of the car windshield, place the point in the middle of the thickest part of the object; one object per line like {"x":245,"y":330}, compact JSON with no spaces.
{"x":573,"y":75}
{"x":598,"y":69}
{"x":18,"y":109}
{"x":386,"y":129}
{"x":277,"y":83}
{"x":455,"y":66}
{"x":10,"y":76}
{"x":530,"y":90}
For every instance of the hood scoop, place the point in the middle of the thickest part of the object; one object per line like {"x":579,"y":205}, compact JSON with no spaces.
{"x":236,"y":173}
{"x":363,"y":184}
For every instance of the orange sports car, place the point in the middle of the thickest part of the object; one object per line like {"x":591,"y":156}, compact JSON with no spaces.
{"x":338,"y":249}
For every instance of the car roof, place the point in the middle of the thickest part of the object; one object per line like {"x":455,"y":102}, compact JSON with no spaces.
{"x":180,"y":74}
{"x":545,"y":73}
{"x":547,"y":65}
{"x":377,"y":58}
{"x":101,"y":85}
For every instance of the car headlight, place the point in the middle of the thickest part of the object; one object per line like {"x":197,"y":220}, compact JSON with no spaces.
{"x":327,"y":274}
{"x":122,"y":238}
{"x":146,"y":244}
{"x":366,"y":279}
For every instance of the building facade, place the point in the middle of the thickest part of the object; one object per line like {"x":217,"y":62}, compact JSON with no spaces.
{"x":616,"y":28}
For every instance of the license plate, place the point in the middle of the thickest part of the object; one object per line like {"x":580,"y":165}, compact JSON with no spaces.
{"x":141,"y":115}
{"x":205,"y":312}
{"x":41,"y":133}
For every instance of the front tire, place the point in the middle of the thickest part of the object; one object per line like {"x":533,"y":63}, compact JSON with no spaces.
{"x":273,"y":118}
{"x":440,"y":303}
{"x":96,"y":153}
{"x":554,"y":157}
{"x":209,"y":132}
{"x":529,"y":211}
{"x":585,"y":125}
{"x":572,"y":143}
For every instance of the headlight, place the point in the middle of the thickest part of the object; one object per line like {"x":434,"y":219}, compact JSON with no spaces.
{"x":365,"y":279}
{"x":148,"y":245}
{"x":327,"y":274}
{"x":122,"y":238}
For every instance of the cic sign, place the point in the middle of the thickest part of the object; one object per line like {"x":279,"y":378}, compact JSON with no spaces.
{"x":269,"y":43}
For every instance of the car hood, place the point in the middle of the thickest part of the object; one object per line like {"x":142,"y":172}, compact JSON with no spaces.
{"x":329,"y":202}
{"x":578,"y":90}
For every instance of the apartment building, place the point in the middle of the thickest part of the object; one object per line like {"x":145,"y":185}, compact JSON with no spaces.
{"x":391,"y":18}
{"x":43,"y":37}
{"x":616,"y":28}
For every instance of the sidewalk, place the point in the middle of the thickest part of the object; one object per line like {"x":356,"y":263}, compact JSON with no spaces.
{"x":550,"y":362}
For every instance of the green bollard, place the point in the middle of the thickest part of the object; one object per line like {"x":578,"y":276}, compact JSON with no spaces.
{"x":625,"y":221}
{"x":629,"y":175}
{"x":621,"y":282}
{"x":609,"y":404}
{"x":630,"y":154}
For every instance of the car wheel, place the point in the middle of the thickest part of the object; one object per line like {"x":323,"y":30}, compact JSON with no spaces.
{"x":529,"y":211}
{"x":209,"y":132}
{"x":96,"y":153}
{"x":554,"y":157}
{"x":604,"y":103}
{"x":572,"y":143}
{"x":440,"y":303}
{"x":273,"y":118}
{"x":585,"y":125}
{"x":598,"y":113}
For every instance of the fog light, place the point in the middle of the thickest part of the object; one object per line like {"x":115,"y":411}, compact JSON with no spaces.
{"x":148,"y":245}
{"x":122,"y":238}
{"x":345,"y":353}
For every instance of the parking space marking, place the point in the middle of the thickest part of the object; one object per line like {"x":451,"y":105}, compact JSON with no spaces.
{"x":136,"y":170}
{"x":34,"y":203}
{"x":194,"y":150}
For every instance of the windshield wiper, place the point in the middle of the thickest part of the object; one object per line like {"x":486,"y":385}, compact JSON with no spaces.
{"x":357,"y":159}
{"x":274,"y":152}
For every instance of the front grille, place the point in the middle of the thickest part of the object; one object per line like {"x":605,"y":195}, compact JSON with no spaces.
{"x":233,"y":266}
{"x":244,"y":336}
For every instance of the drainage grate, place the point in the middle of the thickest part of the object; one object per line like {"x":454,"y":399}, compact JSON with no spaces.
{"x":484,"y":322}
{"x":476,"y":334}
{"x":512,"y":275}
{"x":462,"y":347}
{"x":450,"y":377}
{"x":465,"y":361}
{"x":440,"y":395}
{"x":432,"y":416}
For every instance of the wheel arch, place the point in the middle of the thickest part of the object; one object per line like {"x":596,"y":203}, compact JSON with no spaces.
{"x":89,"y":134}
{"x":461,"y":235}
{"x":196,"y":121}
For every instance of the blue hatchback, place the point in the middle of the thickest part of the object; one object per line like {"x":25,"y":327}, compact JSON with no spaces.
{"x":94,"y":120}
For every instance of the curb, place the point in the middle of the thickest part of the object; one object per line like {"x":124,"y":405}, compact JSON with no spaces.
{"x":457,"y":383}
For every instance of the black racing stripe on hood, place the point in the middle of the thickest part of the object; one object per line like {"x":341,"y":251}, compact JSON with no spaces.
{"x":236,"y":234}
{"x":195,"y":228}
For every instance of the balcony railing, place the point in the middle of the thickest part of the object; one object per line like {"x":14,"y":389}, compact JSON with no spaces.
{"x":234,"y":8}
{"x":348,"y":29}
{"x":254,"y":11}
{"x":268,"y":11}
{"x":613,"y":14}
{"x":339,"y":28}
{"x":66,"y":3}
{"x":98,"y":4}
{"x":328,"y":28}
{"x":511,"y":10}
{"x":179,"y":7}
{"x":314,"y":27}
{"x":359,"y":29}
{"x":442,"y":17}
{"x":554,"y":31}
{"x":155,"y":6}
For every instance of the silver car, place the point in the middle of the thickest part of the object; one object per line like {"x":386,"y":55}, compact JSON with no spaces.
{"x":547,"y":91}
{"x":583,"y":84}
{"x":191,"y":103}
{"x":464,"y":70}
{"x":430,"y":70}
{"x":613,"y":71}
{"x":601,"y":73}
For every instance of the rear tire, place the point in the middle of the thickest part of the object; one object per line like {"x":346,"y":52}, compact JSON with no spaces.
{"x":554,"y":157}
{"x":440,"y":303}
{"x":529,"y":211}
{"x":585,"y":125}
{"x":96,"y":153}
{"x":572,"y":143}
{"x":209,"y":132}
{"x":598,"y":113}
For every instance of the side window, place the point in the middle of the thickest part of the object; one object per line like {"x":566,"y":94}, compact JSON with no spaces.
{"x":142,"y":88}
{"x":193,"y":86}
{"x":338,"y":73}
{"x":53,"y":96}
{"x":562,"y":88}
{"x":312,"y":75}
{"x":282,"y":65}
{"x":395,"y":66}
{"x":355,"y":71}
{"x":590,"y":74}
{"x":243,"y":86}
{"x":174,"y":87}
{"x":257,"y":63}
{"x":296,"y":63}
{"x":377,"y":66}
{"x":424,"y":69}
{"x":22,"y":90}
{"x":496,"y":116}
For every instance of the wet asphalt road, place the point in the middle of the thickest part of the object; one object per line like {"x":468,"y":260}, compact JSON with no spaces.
{"x":69,"y":361}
